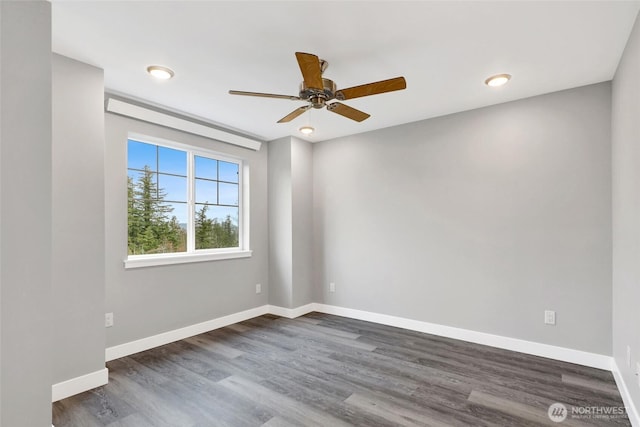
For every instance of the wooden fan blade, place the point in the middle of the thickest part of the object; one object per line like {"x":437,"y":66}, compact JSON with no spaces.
{"x":265,"y":95}
{"x":348,"y":112}
{"x":383,"y":86}
{"x":311,"y":70}
{"x":295,"y":113}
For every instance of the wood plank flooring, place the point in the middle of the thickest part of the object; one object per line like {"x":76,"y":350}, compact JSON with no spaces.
{"x":323,"y":370}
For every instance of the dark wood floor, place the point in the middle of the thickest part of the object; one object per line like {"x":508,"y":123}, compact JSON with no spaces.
{"x":323,"y":370}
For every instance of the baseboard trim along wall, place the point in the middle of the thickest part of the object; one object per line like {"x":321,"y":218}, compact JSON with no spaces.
{"x":77,"y":385}
{"x":537,"y":349}
{"x":292,"y":313}
{"x":87,"y":382}
{"x":143,"y":344}
{"x":632,"y":411}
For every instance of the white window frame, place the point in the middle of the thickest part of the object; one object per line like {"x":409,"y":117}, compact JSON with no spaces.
{"x":199,"y":255}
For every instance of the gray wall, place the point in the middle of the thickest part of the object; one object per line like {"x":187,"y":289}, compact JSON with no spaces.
{"x":280,"y":217}
{"x":302,"y":220}
{"x":148,"y":301}
{"x":25,"y":214}
{"x":626,"y":212}
{"x":479,"y":220}
{"x":78,"y":219}
{"x":290,"y":222}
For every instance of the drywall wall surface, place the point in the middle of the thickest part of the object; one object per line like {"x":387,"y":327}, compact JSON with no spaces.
{"x":78,"y":214}
{"x":302,"y":220}
{"x":480,"y":220}
{"x":290,"y":222}
{"x":148,"y":301}
{"x":280,"y":230}
{"x":25,"y":214}
{"x":626,"y":212}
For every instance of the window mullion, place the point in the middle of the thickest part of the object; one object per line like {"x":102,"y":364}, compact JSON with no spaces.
{"x":191,"y":226}
{"x":241,"y":224}
{"x":218,"y":182}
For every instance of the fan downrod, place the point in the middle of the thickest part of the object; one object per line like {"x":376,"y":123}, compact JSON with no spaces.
{"x":323,"y":65}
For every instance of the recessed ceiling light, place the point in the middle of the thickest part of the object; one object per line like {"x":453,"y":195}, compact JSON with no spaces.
{"x":307,"y":130}
{"x":160,"y":72}
{"x":498,"y":80}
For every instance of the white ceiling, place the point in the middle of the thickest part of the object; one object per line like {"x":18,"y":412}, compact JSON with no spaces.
{"x":445,"y":50}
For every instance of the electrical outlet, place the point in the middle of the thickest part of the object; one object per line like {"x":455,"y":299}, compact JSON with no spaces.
{"x":628,"y":356}
{"x":258,"y":288}
{"x":638,"y":372}
{"x":332,"y":287}
{"x":549,"y":317}
{"x":108,"y":320}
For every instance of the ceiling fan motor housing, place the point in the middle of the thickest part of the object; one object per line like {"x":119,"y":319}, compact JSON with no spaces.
{"x":318,"y":97}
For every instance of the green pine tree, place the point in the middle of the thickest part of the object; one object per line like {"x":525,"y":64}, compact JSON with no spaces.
{"x":150,"y":229}
{"x":205,"y":238}
{"x":153,"y":230}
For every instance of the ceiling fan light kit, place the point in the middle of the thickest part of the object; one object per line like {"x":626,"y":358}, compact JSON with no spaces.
{"x":306,"y":130}
{"x":318,"y":91}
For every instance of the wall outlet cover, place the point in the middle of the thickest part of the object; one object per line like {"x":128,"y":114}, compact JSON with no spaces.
{"x":332,"y":287}
{"x":549,"y":317}
{"x":628,"y":356}
{"x":258,"y":288}
{"x":108,"y":320}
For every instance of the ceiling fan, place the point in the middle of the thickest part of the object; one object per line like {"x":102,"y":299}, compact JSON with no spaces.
{"x":318,"y":91}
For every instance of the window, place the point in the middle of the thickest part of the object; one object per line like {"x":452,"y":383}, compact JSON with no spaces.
{"x":181,"y":201}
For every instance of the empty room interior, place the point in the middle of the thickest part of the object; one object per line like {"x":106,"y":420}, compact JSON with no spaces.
{"x":292,"y":213}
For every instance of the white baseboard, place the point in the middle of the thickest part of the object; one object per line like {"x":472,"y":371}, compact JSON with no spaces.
{"x":538,"y":349}
{"x":632,"y":411}
{"x":98,"y":378}
{"x":77,"y":385}
{"x":544,"y":350}
{"x":153,"y":341}
{"x":292,"y":313}
{"x":95,"y":379}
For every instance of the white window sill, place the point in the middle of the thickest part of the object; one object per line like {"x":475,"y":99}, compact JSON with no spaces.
{"x":139,"y":261}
